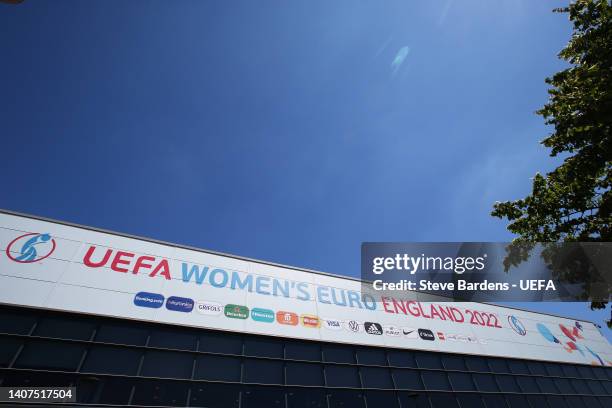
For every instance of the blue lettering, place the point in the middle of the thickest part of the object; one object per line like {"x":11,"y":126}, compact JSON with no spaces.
{"x":369,"y":301}
{"x":199,"y":275}
{"x":341,"y":302}
{"x":224,"y":278}
{"x":323,"y":294}
{"x":302,"y":288}
{"x":354,"y":297}
{"x":277,"y":288}
{"x":262,"y":283}
{"x":246,"y":283}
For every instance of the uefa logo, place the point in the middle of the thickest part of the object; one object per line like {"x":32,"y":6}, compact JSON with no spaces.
{"x":30,"y":247}
{"x":517,"y":325}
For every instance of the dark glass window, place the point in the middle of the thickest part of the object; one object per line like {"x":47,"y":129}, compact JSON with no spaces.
{"x":454,"y":362}
{"x":485,"y":382}
{"x":217,"y":368}
{"x":376,"y":377}
{"x":371,"y":356}
{"x":471,"y":401}
{"x":477,"y":364}
{"x":36,"y":379}
{"x":585,"y":371}
{"x":564,"y":385}
{"x":258,"y":397}
{"x":303,"y":374}
{"x":302,"y":350}
{"x":580,"y":386}
{"x":345,"y":399}
{"x":50,"y":355}
{"x":263,"y":347}
{"x":399,"y":358}
{"x":518,"y":367}
{"x":214,"y":395}
{"x":263,"y":371}
{"x":341,"y":376}
{"x":498,"y":365}
{"x":73,"y":328}
{"x":536,"y":368}
{"x":608,"y":386}
{"x":537,"y":401}
{"x":306,"y":398}
{"x":575,"y":401}
{"x":217,"y":342}
{"x":16,"y":321}
{"x":570,"y":371}
{"x":122,"y":333}
{"x":435,"y":380}
{"x":547,"y":385}
{"x":461,"y":381}
{"x":112,"y":360}
{"x":516,"y":401}
{"x":507,"y":383}
{"x":104,"y":390}
{"x":428,"y":360}
{"x":407,"y":379}
{"x":556,"y":401}
{"x":527,"y":384}
{"x":414,"y":400}
{"x":172,"y":339}
{"x":338,"y":353}
{"x":443,"y":400}
{"x":554,"y":370}
{"x":167,"y":364}
{"x":494,"y":401}
{"x":8,"y":349}
{"x":600,"y":373}
{"x":381,"y":399}
{"x":153,"y":392}
{"x":596,"y":387}
{"x":605,"y":401}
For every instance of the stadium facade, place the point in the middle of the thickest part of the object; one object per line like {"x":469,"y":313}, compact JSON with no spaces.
{"x":133,"y":321}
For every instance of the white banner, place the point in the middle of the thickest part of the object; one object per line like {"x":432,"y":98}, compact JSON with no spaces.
{"x":56,"y":266}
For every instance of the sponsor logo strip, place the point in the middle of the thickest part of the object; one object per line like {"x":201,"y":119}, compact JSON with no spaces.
{"x":179,"y":304}
{"x":236,"y":311}
{"x":147,"y":299}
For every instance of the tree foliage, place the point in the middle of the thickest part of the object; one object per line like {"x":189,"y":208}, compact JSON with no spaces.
{"x":574,"y":201}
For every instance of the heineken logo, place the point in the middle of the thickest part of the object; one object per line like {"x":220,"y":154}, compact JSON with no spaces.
{"x":236,"y":311}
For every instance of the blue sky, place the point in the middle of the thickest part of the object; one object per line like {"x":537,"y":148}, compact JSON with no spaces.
{"x":283,"y":131}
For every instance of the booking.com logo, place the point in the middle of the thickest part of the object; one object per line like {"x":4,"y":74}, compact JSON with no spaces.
{"x":30,"y":247}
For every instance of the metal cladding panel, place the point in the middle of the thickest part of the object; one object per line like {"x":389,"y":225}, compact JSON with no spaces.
{"x":57,"y":266}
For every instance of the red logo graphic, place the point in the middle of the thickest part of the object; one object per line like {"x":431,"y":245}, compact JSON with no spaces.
{"x":288,"y":318}
{"x":441,"y":336}
{"x":32,"y":247}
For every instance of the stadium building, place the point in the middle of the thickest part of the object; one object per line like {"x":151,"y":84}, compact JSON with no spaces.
{"x":133,"y":321}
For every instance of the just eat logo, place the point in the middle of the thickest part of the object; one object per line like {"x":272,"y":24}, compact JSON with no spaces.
{"x":122,"y":261}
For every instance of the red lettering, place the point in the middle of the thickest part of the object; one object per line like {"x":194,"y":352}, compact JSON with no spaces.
{"x":434,"y":312}
{"x":414,"y":310}
{"x":140,"y":263}
{"x":399,"y":306}
{"x":422,"y":311}
{"x":165,"y":270}
{"x":445,"y":313}
{"x":87,"y":260}
{"x":456,"y":312}
{"x":119,"y":261}
{"x":385,"y":304}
